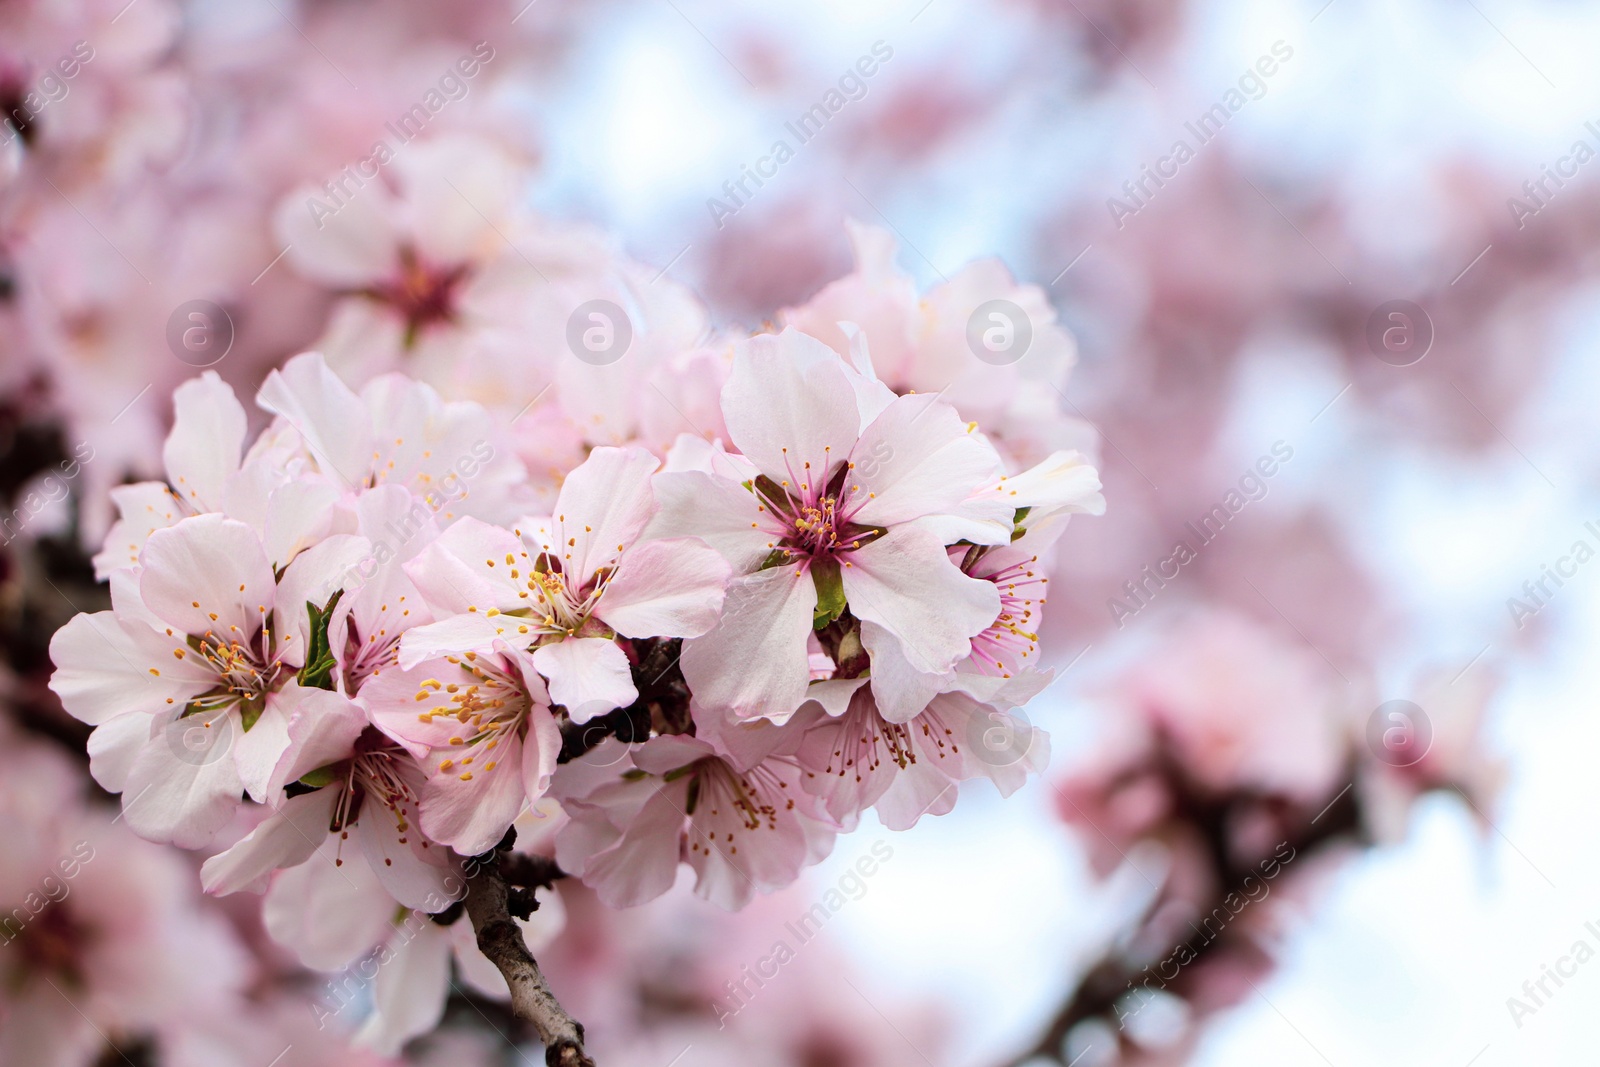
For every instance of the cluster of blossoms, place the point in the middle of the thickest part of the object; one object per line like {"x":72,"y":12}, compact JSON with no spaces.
{"x":372,"y":624}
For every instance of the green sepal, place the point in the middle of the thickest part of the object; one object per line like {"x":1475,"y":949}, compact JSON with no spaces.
{"x":250,"y":711}
{"x":826,"y":576}
{"x":318,"y":671}
{"x":321,"y":776}
{"x":774,"y":493}
{"x":1017,"y":527}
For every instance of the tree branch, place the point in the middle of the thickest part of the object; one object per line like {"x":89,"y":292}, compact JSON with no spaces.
{"x":500,"y":939}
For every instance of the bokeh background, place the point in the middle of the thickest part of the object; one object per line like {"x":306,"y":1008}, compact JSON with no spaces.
{"x":1398,"y":152}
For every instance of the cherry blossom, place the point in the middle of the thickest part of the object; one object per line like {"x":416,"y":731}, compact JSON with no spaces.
{"x":558,"y":588}
{"x":637,"y":814}
{"x":855,"y":495}
{"x":200,"y":639}
{"x":483,"y":725}
{"x":861,"y":759}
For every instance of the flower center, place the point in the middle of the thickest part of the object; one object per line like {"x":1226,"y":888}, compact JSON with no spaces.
{"x":812,"y":514}
{"x":490,"y":703}
{"x":246,"y":669}
{"x":1012,"y":637}
{"x":754,"y":799}
{"x":561,"y":607}
{"x":422,"y":294}
{"x":52,"y":942}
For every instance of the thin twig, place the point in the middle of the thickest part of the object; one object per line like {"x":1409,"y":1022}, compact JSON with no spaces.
{"x":500,"y":939}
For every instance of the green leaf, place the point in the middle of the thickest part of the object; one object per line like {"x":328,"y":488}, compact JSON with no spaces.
{"x":776,"y":558}
{"x":250,"y":711}
{"x":321,"y":776}
{"x":825,"y":576}
{"x":1017,"y":527}
{"x":318,"y":671}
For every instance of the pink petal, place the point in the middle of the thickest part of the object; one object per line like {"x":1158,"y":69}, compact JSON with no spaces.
{"x":540,"y":749}
{"x":905,"y":582}
{"x":208,"y":575}
{"x":328,"y":910}
{"x":665,"y":589}
{"x":788,"y":402}
{"x":467,"y":568}
{"x":588,"y":676}
{"x":349,"y":248}
{"x":409,"y":993}
{"x":322,"y":729}
{"x":472,"y":816}
{"x":918,"y":458}
{"x":644,"y":862}
{"x":144,"y":507}
{"x":603,"y":506}
{"x":203,"y":449}
{"x":106,"y":668}
{"x":331,"y":418}
{"x":473,"y":632}
{"x":754,"y":662}
{"x":286,"y":838}
{"x":722,"y":513}
{"x":416,"y":876}
{"x":180,"y":793}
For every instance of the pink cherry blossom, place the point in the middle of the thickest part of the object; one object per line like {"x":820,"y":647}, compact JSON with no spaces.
{"x":637,"y":814}
{"x":396,"y":432}
{"x":482,"y":723}
{"x":564,"y":588}
{"x":861,"y":759}
{"x":855,"y":489}
{"x":199,"y":640}
{"x":920,"y":343}
{"x":350,"y":779}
